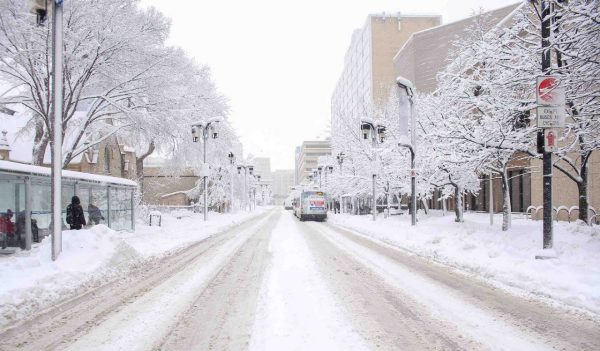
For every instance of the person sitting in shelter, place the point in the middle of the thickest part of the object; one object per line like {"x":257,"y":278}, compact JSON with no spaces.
{"x":21,"y":228}
{"x":94,"y":213}
{"x":7,"y":227}
{"x":75,"y":216}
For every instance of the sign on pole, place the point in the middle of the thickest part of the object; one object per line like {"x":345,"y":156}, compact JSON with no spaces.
{"x":550,"y":140}
{"x":550,"y":116}
{"x":550,"y":96}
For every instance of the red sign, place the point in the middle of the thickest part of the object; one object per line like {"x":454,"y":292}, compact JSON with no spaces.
{"x":549,"y":91}
{"x":546,"y":87}
{"x":550,"y":140}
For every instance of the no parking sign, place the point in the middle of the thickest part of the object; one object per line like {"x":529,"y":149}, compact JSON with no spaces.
{"x":551,"y":102}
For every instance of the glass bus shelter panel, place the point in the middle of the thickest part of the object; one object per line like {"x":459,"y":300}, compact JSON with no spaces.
{"x":99,"y":198}
{"x":85,"y":193}
{"x":120,"y":209}
{"x":41,"y":205}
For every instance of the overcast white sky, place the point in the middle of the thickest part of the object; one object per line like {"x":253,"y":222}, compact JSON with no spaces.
{"x":278,"y":61}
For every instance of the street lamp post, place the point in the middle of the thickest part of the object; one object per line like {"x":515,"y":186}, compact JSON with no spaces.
{"x":57,"y":97}
{"x":248,"y":169}
{"x":407,"y":86}
{"x":41,"y":10}
{"x":231,"y":157}
{"x":340,"y":160}
{"x":320,"y":170}
{"x":207,"y":127}
{"x":377,"y":134}
{"x":258,"y":176}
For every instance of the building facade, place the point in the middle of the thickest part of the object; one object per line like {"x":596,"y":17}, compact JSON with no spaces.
{"x":368,"y":75}
{"x":262,"y":167}
{"x":307,"y":157}
{"x":425,"y":54}
{"x":283,"y":180}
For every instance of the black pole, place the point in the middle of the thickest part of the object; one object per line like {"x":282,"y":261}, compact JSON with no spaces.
{"x":413,"y":189}
{"x":547,"y":156}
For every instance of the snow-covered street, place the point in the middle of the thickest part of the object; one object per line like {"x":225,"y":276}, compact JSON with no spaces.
{"x":273,"y":283}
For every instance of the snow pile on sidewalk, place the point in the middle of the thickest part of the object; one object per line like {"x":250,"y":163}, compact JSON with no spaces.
{"x":506,"y":259}
{"x":31,"y":281}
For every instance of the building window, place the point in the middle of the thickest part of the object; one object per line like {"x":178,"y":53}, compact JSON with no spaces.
{"x":107,"y":160}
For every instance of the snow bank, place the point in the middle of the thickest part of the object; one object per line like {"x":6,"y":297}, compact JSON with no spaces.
{"x":506,"y":259}
{"x":31,"y":281}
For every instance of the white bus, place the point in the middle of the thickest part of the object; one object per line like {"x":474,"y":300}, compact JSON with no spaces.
{"x":310,"y":205}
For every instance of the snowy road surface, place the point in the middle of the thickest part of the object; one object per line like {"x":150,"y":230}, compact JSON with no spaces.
{"x":274,"y":283}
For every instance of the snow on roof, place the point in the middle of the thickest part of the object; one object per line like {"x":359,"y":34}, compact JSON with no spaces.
{"x":184,"y":192}
{"x":45,"y":171}
{"x":463,"y":21}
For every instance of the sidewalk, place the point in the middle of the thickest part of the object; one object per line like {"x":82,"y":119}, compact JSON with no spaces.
{"x":31,"y":281}
{"x":505,"y":259}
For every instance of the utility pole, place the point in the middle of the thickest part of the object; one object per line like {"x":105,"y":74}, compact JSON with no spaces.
{"x":547,"y":156}
{"x":374,"y":199}
{"x":57,"y":103}
{"x":491,"y":199}
{"x":205,"y":185}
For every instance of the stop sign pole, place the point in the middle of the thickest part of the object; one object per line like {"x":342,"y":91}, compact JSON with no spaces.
{"x":547,"y":156}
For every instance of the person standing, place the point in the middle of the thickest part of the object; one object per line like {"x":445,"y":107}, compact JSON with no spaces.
{"x":94,"y":213}
{"x":7,"y":227}
{"x":75,"y":216}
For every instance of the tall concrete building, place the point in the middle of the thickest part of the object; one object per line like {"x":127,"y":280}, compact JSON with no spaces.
{"x":283,"y":180}
{"x":262,"y":167}
{"x":426,"y":52}
{"x":307,"y":156}
{"x":368,"y":75}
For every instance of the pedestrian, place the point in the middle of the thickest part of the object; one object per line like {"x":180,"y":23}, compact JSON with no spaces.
{"x":7,"y":227}
{"x":21,"y":217}
{"x":94,"y":213}
{"x":75,"y":216}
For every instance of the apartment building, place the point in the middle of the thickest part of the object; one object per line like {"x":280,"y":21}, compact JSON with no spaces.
{"x":283,"y":180}
{"x":307,"y":156}
{"x":262,"y":167}
{"x":368,"y":76}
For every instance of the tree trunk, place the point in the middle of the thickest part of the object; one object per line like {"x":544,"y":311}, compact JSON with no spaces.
{"x":506,"y":209}
{"x":40,"y":143}
{"x":458,"y":206}
{"x":139,"y":166}
{"x":582,"y":188}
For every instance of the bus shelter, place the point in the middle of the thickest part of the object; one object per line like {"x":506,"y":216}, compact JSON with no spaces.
{"x":25,"y":200}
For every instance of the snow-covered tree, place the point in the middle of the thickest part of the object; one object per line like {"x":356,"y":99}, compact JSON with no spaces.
{"x":486,"y":92}
{"x":576,"y":43}
{"x":111,"y":47}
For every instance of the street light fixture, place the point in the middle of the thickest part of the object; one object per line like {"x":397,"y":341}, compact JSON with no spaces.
{"x":206,"y":127}
{"x":376,"y":132}
{"x":407,"y":86}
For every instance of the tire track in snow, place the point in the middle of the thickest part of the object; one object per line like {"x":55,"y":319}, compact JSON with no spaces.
{"x":491,"y":316}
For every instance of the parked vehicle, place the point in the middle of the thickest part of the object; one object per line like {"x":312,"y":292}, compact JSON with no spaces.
{"x":287,"y":204}
{"x":310,"y":205}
